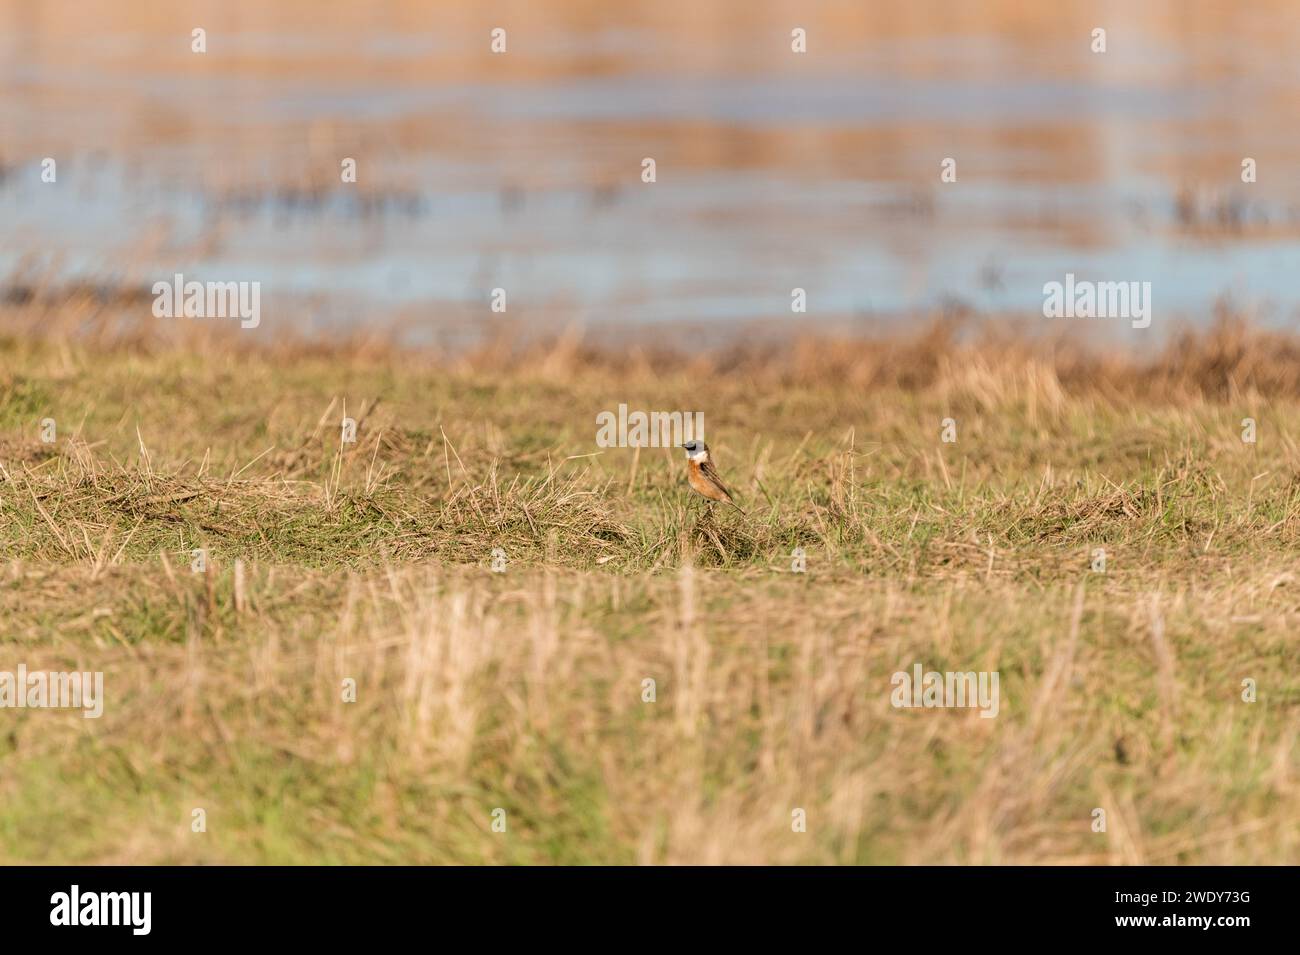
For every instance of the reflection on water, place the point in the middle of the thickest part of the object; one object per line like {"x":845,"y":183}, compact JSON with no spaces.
{"x":774,"y":170}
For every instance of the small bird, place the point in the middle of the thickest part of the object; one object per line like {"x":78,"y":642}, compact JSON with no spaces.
{"x":703,"y":476}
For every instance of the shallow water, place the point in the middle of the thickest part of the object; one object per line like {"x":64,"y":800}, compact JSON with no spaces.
{"x":774,"y":170}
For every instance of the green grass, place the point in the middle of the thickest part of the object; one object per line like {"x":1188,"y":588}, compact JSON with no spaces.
{"x":522,"y":690}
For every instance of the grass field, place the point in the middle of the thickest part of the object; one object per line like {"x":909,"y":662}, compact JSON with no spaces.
{"x":523,"y":690}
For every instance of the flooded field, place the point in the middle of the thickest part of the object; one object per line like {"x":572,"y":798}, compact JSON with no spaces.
{"x":989,"y":593}
{"x":774,"y":170}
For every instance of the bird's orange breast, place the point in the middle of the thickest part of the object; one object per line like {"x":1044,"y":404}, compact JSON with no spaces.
{"x":703,"y":485}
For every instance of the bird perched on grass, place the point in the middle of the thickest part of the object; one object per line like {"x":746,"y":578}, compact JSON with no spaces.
{"x":703,"y":476}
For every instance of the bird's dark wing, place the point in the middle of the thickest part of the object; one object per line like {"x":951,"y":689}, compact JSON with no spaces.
{"x":711,"y":473}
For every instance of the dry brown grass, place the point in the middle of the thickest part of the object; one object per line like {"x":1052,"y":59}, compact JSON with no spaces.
{"x":524,"y":690}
